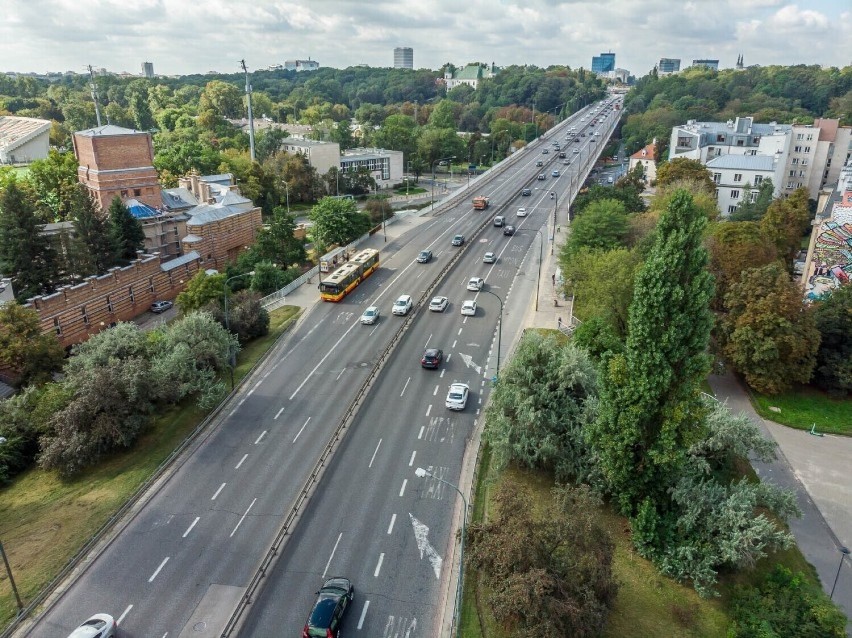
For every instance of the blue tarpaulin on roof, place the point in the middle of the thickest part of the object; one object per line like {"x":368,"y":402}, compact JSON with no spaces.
{"x":140,"y":210}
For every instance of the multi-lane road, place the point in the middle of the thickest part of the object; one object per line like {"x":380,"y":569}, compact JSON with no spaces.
{"x":182,"y":561}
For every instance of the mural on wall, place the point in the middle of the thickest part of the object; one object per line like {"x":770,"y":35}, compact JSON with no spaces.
{"x":832,"y":260}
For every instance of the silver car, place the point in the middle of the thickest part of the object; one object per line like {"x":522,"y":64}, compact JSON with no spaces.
{"x":475,"y":283}
{"x":438,"y":304}
{"x":370,"y":316}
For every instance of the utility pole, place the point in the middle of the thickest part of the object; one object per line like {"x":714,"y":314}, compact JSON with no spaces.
{"x":250,"y":118}
{"x":95,"y":94}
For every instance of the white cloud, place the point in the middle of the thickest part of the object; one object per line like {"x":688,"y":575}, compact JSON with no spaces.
{"x":792,"y":19}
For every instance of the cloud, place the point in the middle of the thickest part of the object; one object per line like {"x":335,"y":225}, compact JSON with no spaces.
{"x":792,"y":19}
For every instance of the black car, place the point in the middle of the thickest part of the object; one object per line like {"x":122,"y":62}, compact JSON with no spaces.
{"x":333,"y":599}
{"x":458,"y":240}
{"x":508,"y":230}
{"x":432,"y":358}
{"x":424,"y":256}
{"x":526,"y":192}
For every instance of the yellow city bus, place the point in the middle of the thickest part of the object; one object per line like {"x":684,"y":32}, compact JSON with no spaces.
{"x":347,"y":277}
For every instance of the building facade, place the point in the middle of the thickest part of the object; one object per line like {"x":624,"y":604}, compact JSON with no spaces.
{"x":322,"y":156}
{"x":667,"y":66}
{"x":219,"y":232}
{"x":301,"y":65}
{"x":386,"y":167}
{"x":148,"y":70}
{"x":403,"y":58}
{"x":603,"y":63}
{"x":707,"y":64}
{"x":23,"y":139}
{"x":645,"y":157}
{"x":738,"y":178}
{"x":471,"y":74}
{"x":117,"y":162}
{"x":818,"y":154}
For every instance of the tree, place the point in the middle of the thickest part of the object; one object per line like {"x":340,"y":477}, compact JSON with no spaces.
{"x":201,"y":290}
{"x":33,"y":356}
{"x":223,"y":99}
{"x":754,"y":210}
{"x":681,"y":169}
{"x":733,"y":248}
{"x":833,"y":317}
{"x":602,"y":226}
{"x":92,"y":235}
{"x":444,"y":115}
{"x":768,"y":334}
{"x":548,"y":575}
{"x":342,"y":134}
{"x":544,"y":398}
{"x":247,"y":319}
{"x":54,"y":179}
{"x":25,"y":253}
{"x":269,"y":142}
{"x":125,"y":230}
{"x":379,"y":209}
{"x":276,"y":243}
{"x":399,"y":133}
{"x":785,"y":222}
{"x":650,"y":394}
{"x":337,"y":221}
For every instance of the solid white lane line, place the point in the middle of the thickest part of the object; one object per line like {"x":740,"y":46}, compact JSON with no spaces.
{"x":405,"y":386}
{"x":363,"y":613}
{"x":426,"y":345}
{"x":402,"y":489}
{"x":413,"y":454}
{"x":124,"y":615}
{"x":376,"y":451}
{"x":189,"y":529}
{"x":243,"y":517}
{"x":435,"y":393}
{"x":419,"y":436}
{"x":279,"y":414}
{"x":379,"y":565}
{"x":260,"y":438}
{"x":213,"y":498}
{"x":300,"y":431}
{"x":157,"y":571}
{"x":428,"y":409}
{"x":372,"y":332}
{"x":393,"y":520}
{"x":334,"y":549}
{"x":242,"y":460}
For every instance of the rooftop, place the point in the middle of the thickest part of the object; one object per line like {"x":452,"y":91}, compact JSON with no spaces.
{"x":17,"y":130}
{"x":744,"y":162}
{"x":109,"y":130}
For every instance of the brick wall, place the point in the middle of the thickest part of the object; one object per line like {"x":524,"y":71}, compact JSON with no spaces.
{"x":223,"y":240}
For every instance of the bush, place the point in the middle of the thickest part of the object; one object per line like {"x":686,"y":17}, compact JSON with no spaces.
{"x":246,"y":317}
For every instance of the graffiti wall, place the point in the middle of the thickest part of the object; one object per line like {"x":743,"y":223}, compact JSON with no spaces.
{"x":832,"y":258}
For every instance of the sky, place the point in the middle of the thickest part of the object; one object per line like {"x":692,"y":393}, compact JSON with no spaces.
{"x":183,"y":36}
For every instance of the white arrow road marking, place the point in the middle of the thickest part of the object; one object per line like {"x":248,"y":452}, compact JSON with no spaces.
{"x":421,"y":535}
{"x":468,"y":361}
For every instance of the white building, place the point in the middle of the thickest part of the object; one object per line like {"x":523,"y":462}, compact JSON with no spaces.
{"x":321,"y":155}
{"x":403,"y":58}
{"x":738,"y":178}
{"x":301,"y":65}
{"x":472,"y":75}
{"x":383,"y":165}
{"x":818,"y":154}
{"x":645,"y":157}
{"x":23,"y":139}
{"x":703,"y":141}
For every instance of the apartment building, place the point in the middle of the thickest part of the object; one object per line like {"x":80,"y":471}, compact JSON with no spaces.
{"x":320,"y":155}
{"x":738,"y":178}
{"x":385,"y":166}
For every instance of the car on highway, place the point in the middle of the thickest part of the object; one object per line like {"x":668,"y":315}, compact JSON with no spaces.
{"x":576,"y":150}
{"x":438,"y":304}
{"x":458,"y":240}
{"x":539,"y":163}
{"x":609,"y":180}
{"x":490,"y":258}
{"x":508,"y":230}
{"x":567,"y":162}
{"x":541,"y":176}
{"x":160,"y":306}
{"x":499,"y":220}
{"x":402,"y":305}
{"x":522,"y":212}
{"x":424,"y":256}
{"x":475,"y":283}
{"x":333,"y":600}
{"x":526,"y":192}
{"x":457,"y":396}
{"x":98,"y":626}
{"x":370,"y":316}
{"x":562,"y":154}
{"x":544,"y":151}
{"x":469,"y":308}
{"x":432,"y":358}
{"x":555,"y":173}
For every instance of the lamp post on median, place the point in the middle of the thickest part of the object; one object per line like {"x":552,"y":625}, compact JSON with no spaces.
{"x":421,"y":473}
{"x":231,"y":355}
{"x":440,"y":159}
{"x":499,"y":328}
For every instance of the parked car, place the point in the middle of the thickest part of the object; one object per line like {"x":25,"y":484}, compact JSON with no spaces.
{"x":333,"y":600}
{"x":432,"y":358}
{"x":457,"y":396}
{"x":402,"y":305}
{"x":490,"y":258}
{"x":469,"y":308}
{"x":424,"y":256}
{"x":508,"y":230}
{"x":458,"y":240}
{"x":370,"y":316}
{"x":522,"y":212}
{"x":438,"y":304}
{"x":160,"y":306}
{"x":98,"y":626}
{"x":475,"y":283}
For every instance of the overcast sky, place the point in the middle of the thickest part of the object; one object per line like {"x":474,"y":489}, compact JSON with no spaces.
{"x":196,"y":36}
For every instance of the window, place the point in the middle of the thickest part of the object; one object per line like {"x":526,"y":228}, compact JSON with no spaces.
{"x":754,"y":152}
{"x":758,"y":179}
{"x":56,"y":327}
{"x":151,"y":284}
{"x":738,"y":177}
{"x":755,"y":140}
{"x":740,"y":142}
{"x":807,"y":149}
{"x":805,"y":161}
{"x":124,"y":193}
{"x":797,"y":149}
{"x":731,"y":209}
{"x":109,"y":304}
{"x":720,"y":137}
{"x":735,"y":194}
{"x":716,"y":195}
{"x":130,"y":293}
{"x":801,"y":173}
{"x":752,"y":196}
{"x":717,"y":178}
{"x":137,"y":192}
{"x":789,"y":184}
{"x":791,"y":174}
{"x":795,"y":161}
{"x":710,"y":150}
{"x":85,"y":316}
{"x":800,"y":136}
{"x":810,"y":137}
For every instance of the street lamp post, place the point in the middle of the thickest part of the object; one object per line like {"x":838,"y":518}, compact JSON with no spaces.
{"x":499,"y":328}
{"x":440,"y":159}
{"x":844,"y":552}
{"x":287,"y":186}
{"x":421,"y":473}
{"x":231,"y":355}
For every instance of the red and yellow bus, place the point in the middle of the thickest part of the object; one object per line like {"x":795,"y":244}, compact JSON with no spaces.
{"x":347,"y":277}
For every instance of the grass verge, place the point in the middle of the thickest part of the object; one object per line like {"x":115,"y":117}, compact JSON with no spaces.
{"x":45,"y":520}
{"x":803,"y":406}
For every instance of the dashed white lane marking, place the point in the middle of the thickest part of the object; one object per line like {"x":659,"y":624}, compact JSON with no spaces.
{"x":402,"y":489}
{"x":442,"y":374}
{"x":157,"y":571}
{"x":260,"y":438}
{"x":363,"y":613}
{"x":411,"y":462}
{"x":450,"y":355}
{"x":376,"y":451}
{"x":454,"y":343}
{"x":242,"y":460}
{"x":124,"y":615}
{"x":279,"y":413}
{"x":325,"y":571}
{"x":427,"y":341}
{"x":243,"y":517}
{"x":405,"y":386}
{"x":460,"y":330}
{"x":301,"y":430}
{"x":435,"y":393}
{"x":221,"y":487}
{"x":393,"y":520}
{"x":189,"y":529}
{"x":379,"y":565}
{"x":419,"y":436}
{"x":341,"y":374}
{"x":429,"y":409}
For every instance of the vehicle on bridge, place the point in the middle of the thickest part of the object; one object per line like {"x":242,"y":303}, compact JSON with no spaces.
{"x":481,"y":202}
{"x":346,"y":278}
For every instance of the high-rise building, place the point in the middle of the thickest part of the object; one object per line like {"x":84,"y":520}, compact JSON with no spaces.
{"x":603,"y":63}
{"x":403,"y":58}
{"x":148,"y":69}
{"x":668,"y":65}
{"x":707,"y":64}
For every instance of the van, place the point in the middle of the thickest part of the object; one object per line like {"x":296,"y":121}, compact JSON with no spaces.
{"x":499,"y":221}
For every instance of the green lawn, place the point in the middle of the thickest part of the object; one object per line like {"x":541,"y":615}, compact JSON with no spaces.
{"x":803,"y":407}
{"x":45,"y":520}
{"x":411,"y":191}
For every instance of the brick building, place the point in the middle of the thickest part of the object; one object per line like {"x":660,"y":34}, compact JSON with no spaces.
{"x":219,"y":232}
{"x":116,"y":161}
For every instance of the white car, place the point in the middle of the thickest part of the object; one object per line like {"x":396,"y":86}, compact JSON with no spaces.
{"x":370,"y":316}
{"x":402,"y":305}
{"x":576,"y":151}
{"x":522,"y":212}
{"x":457,"y":396}
{"x":438,"y":304}
{"x":490,"y":258}
{"x":104,"y":625}
{"x":475,"y":284}
{"x":469,"y":308}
